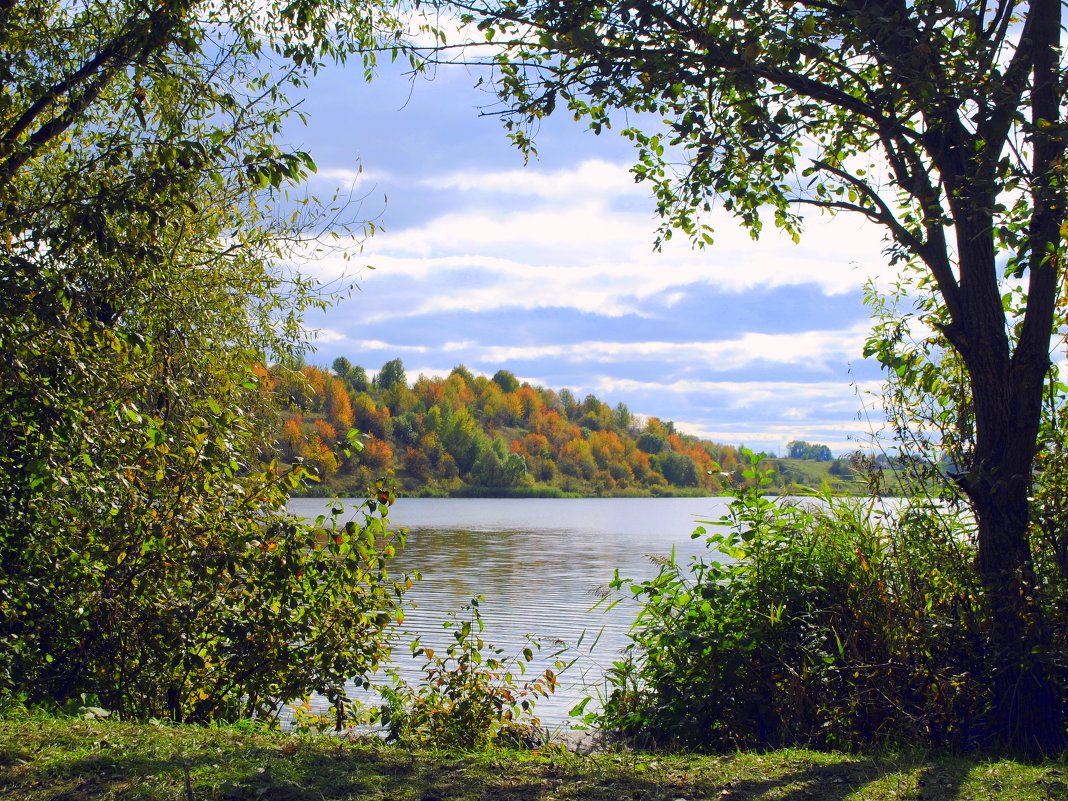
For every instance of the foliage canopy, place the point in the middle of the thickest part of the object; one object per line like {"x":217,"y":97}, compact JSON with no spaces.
{"x":145,"y":553}
{"x":473,"y":435}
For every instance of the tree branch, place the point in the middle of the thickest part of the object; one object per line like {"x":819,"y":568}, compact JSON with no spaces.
{"x":134,"y":43}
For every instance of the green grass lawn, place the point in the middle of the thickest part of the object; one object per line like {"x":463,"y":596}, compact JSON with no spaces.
{"x":80,"y":760}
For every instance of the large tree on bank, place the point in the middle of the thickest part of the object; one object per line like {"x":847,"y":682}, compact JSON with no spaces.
{"x":940,"y":120}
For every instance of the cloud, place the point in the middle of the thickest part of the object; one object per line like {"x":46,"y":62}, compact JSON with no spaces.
{"x":570,"y":246}
{"x":818,"y":351}
{"x":344,"y":175}
{"x":811,"y":348}
{"x":740,"y":394}
{"x":364,"y":345}
{"x":327,"y":336}
{"x":587,"y":179}
{"x":590,"y":262}
{"x":431,"y":28}
{"x":840,"y":437}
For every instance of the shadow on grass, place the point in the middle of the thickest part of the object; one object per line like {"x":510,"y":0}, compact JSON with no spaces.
{"x":325,"y":773}
{"x":220,"y":768}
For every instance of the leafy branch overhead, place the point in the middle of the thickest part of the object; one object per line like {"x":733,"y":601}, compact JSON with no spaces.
{"x":879,"y":108}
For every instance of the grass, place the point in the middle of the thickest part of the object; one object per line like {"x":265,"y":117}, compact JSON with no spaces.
{"x":79,"y":760}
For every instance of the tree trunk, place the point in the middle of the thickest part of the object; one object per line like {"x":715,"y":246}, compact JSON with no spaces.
{"x":1029,"y":712}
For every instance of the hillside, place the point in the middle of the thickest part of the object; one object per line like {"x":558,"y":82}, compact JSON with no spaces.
{"x":468,"y":435}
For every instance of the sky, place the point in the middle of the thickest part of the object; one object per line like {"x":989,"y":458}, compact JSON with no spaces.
{"x":548,"y":269}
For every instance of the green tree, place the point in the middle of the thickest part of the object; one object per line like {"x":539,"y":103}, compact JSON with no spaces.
{"x":506,"y":380}
{"x":799,"y":449}
{"x":488,"y":470}
{"x":495,"y":467}
{"x":463,"y":438}
{"x":679,"y":469}
{"x":145,"y":552}
{"x":840,"y":468}
{"x":342,"y":368}
{"x":358,"y":379}
{"x":651,"y":443}
{"x":391,"y":375}
{"x":621,"y":418}
{"x":940,"y":121}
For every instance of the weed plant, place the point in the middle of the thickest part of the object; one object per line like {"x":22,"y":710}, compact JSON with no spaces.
{"x":472,"y":696}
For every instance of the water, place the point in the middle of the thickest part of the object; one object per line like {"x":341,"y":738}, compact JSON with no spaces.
{"x":541,"y":565}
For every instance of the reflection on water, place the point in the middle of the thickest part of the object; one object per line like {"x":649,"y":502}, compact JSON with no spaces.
{"x":539,"y":563}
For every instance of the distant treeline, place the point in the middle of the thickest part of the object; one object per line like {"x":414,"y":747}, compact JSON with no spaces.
{"x":473,"y":435}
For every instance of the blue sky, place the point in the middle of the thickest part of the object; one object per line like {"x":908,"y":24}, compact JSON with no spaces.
{"x":548,"y":270}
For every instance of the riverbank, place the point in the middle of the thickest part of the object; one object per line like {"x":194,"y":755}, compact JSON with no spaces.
{"x":842,"y":489}
{"x":536,"y":492}
{"x":48,"y":760}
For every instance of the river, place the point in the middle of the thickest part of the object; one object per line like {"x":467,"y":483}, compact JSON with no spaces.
{"x":539,"y":563}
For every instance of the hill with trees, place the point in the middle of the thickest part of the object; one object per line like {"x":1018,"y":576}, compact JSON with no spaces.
{"x":473,"y":435}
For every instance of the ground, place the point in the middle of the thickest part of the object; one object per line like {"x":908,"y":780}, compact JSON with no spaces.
{"x":80,"y":760}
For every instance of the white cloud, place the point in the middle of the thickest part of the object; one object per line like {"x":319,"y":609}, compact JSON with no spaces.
{"x":607,"y":270}
{"x":327,"y":335}
{"x":346,"y":177}
{"x":377,"y":344}
{"x":571,"y":247}
{"x":428,"y":28}
{"x":839,"y":437}
{"x":811,"y":348}
{"x":591,"y":178}
{"x":741,"y":394}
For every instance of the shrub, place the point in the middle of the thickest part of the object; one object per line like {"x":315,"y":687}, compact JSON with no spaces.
{"x":835,"y":623}
{"x":209,"y":603}
{"x":468,"y":699}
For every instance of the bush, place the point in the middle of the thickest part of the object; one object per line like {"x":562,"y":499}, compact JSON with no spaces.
{"x":466,"y":698}
{"x":202,"y":601}
{"x":835,"y":623}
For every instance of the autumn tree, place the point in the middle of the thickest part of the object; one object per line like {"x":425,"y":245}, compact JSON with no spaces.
{"x":337,"y":405}
{"x":458,"y":388}
{"x":430,"y":392}
{"x":291,"y":437}
{"x":530,"y":402}
{"x":368,"y":417}
{"x":417,"y":464}
{"x":939,"y":120}
{"x":377,"y":454}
